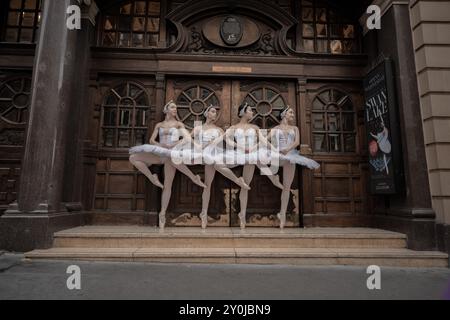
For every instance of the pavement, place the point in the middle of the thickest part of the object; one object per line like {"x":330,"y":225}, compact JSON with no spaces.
{"x":24,"y":279}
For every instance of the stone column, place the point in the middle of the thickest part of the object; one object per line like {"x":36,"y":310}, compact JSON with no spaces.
{"x":59,"y":68}
{"x":430,"y":24}
{"x":409,"y":211}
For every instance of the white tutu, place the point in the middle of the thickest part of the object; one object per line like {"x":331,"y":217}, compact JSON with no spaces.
{"x":186,"y":156}
{"x":294,"y":157}
{"x":216,"y":155}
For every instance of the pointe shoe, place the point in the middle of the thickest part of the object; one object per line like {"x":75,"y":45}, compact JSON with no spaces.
{"x":282,"y":220}
{"x":204,"y":218}
{"x":198,"y":181}
{"x":242,"y":184}
{"x":156,"y":181}
{"x":162,"y":220}
{"x":242,"y":220}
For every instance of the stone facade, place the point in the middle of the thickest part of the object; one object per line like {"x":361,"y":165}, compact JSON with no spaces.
{"x":430,"y":24}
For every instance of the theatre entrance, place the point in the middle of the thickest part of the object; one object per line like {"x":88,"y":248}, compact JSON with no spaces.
{"x":267,"y":98}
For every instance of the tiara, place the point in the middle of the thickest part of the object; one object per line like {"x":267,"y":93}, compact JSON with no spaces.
{"x":205,"y":113}
{"x":241,"y":113}
{"x":283,"y":114}
{"x":166,"y":107}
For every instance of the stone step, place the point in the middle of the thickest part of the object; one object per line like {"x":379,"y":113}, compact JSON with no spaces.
{"x":292,"y":256}
{"x":150,"y":237}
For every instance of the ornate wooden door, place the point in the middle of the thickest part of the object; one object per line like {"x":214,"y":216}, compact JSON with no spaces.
{"x":267,"y":98}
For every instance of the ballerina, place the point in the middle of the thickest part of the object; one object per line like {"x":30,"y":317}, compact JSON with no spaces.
{"x":155,"y":153}
{"x":246,"y":136}
{"x":286,"y":138}
{"x":210,"y":135}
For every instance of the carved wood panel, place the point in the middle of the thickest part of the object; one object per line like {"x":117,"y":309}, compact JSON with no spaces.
{"x":15,"y":98}
{"x":123,"y":113}
{"x":335,"y":122}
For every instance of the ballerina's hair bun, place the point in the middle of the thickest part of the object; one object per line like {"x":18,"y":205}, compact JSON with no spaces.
{"x":242,"y":109}
{"x":166,"y":107}
{"x":284,"y":112}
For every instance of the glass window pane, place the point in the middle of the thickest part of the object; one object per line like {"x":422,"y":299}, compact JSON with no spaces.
{"x":270,"y":94}
{"x":348,"y":47}
{"x":138,"y":24}
{"x":319,"y":142}
{"x":141,"y":100}
{"x":109,"y":39}
{"x":124,"y":139}
{"x":138,"y":40}
{"x":26,"y":35}
{"x":141,"y":118}
{"x":308,"y":45}
{"x":30,"y":4}
{"x":14,"y":18}
{"x":125,"y":23}
{"x":140,"y":137}
{"x":124,"y":39}
{"x":153,"y":8}
{"x":139,"y":7}
{"x":325,"y":96}
{"x":336,"y":46}
{"x":258,"y":94}
{"x":109,"y":23}
{"x":112,"y":100}
{"x":134,"y":91}
{"x":278,"y":103}
{"x":308,"y":30}
{"x":318,"y":122}
{"x":333,"y":122}
{"x":335,"y":143}
{"x":28,"y":19}
{"x":321,"y":30}
{"x":321,"y":14}
{"x":349,"y":31}
{"x":15,"y":4}
{"x":336,"y":31}
{"x":307,"y":14}
{"x":152,"y":40}
{"x":125,"y":9}
{"x":125,"y":118}
{"x":153,"y":25}
{"x":349,"y":143}
{"x":322,"y":46}
{"x":348,"y":123}
{"x":109,"y":117}
{"x":108,"y":137}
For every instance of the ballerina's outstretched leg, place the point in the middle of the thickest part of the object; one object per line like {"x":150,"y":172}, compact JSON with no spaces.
{"x":274,"y":178}
{"x":185,"y":170}
{"x":142,"y":161}
{"x":226,"y":172}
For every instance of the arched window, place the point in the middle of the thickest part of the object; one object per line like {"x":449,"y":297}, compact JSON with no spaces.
{"x":125,"y":114}
{"x":333,"y":122}
{"x":132,"y":24}
{"x":15,"y":100}
{"x":267,"y":103}
{"x":22,"y":21}
{"x":193,"y":101}
{"x":324,"y":31}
